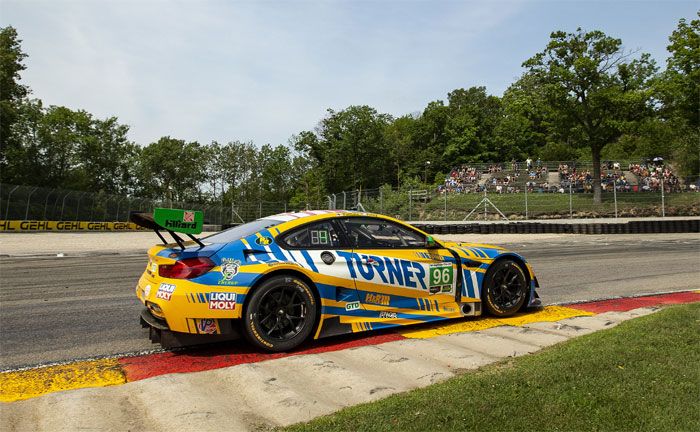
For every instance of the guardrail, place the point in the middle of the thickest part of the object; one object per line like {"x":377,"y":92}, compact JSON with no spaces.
{"x":630,"y":227}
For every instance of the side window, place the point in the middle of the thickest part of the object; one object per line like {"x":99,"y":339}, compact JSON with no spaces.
{"x":367,"y":233}
{"x":319,"y":235}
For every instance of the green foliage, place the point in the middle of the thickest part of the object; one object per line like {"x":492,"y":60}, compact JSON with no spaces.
{"x":11,"y":91}
{"x":596,"y":94}
{"x":173,"y":169}
{"x":678,"y":89}
{"x":349,"y":148}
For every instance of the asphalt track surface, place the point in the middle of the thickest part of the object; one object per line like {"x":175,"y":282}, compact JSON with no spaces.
{"x":58,"y":309}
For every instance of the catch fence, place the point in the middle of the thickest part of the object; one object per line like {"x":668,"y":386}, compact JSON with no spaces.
{"x":487,"y":203}
{"x":38,"y":203}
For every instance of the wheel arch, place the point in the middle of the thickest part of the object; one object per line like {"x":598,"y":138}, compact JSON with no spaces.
{"x":523,"y":266}
{"x":286,"y":272}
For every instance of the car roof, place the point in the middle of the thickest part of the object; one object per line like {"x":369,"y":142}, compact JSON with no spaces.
{"x":293,"y":219}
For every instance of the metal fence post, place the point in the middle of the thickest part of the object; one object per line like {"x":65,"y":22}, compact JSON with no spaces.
{"x":259,"y":209}
{"x":26,"y":211}
{"x":63,"y":205}
{"x":615,"y":195}
{"x":116,"y":216}
{"x":7,"y":210}
{"x":410,"y":198}
{"x":526,"y":213}
{"x":571,"y":204}
{"x":46,"y":203}
{"x":663,"y":200}
{"x":445,"y":205}
{"x":77,"y":210}
{"x":381,"y":201}
{"x":345,"y":201}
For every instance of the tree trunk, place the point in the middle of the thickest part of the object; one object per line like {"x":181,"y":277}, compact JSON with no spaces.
{"x":597,"y":193}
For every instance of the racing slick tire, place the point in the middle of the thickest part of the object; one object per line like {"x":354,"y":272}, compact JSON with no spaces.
{"x":280,"y":314}
{"x":505,"y":288}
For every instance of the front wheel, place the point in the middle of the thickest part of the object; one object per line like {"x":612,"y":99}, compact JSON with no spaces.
{"x":505,"y":288}
{"x":280,"y":315}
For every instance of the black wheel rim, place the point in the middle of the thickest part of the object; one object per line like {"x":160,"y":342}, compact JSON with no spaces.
{"x":508,"y":287}
{"x":282,"y":313}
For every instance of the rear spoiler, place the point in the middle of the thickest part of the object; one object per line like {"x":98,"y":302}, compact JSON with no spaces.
{"x":187,"y":222}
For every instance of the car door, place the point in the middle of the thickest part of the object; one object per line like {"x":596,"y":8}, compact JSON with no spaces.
{"x":318,"y":247}
{"x":395,"y":271}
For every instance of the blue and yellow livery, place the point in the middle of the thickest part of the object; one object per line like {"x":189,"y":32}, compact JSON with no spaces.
{"x":283,"y":279}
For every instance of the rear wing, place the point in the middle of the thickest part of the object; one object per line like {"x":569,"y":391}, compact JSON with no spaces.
{"x":188,"y":222}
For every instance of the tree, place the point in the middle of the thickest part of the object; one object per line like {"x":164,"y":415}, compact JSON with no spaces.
{"x":11,"y":91}
{"x":473,"y":117}
{"x":679,"y":93}
{"x":525,"y":129}
{"x":310,"y":183}
{"x":399,"y":136}
{"x":172,"y":169}
{"x":593,"y":89}
{"x":349,"y":147}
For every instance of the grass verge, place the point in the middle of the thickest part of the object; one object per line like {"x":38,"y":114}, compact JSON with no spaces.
{"x":642,"y":375}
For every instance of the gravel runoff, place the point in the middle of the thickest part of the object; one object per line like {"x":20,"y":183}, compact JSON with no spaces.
{"x":77,"y":244}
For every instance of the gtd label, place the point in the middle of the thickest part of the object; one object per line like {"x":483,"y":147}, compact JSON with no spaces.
{"x":222,"y":301}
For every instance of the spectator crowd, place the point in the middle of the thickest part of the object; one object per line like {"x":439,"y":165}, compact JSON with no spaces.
{"x":534,"y":176}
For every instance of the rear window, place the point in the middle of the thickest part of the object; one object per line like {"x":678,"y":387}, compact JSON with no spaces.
{"x":240,"y":231}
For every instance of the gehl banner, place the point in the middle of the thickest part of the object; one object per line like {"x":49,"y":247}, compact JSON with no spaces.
{"x":26,"y":226}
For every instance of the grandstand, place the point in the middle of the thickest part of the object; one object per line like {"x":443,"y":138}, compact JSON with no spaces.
{"x":559,"y":176}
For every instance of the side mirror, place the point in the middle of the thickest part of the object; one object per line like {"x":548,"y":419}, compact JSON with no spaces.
{"x":430,"y":243}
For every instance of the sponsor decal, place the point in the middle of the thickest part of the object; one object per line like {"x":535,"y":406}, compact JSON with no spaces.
{"x":222,"y":301}
{"x":386,"y":270}
{"x":431,"y":256}
{"x":229,"y":268}
{"x":448,"y":309}
{"x":441,"y":278}
{"x":184,"y":221}
{"x":390,"y":315}
{"x":263,"y":241}
{"x":25,"y":225}
{"x":286,"y":263}
{"x":206,"y":326}
{"x":165,"y":291}
{"x":380,"y":299}
{"x":154,"y":268}
{"x":147,"y":291}
{"x":352,"y":306}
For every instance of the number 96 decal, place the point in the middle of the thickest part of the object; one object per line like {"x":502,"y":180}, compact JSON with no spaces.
{"x":441,"y":278}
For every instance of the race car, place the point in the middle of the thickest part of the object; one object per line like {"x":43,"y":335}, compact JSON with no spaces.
{"x":283,"y":279}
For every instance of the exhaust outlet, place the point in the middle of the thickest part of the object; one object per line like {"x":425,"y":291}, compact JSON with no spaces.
{"x":466,"y":309}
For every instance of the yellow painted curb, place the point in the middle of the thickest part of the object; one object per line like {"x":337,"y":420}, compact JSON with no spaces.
{"x":31,"y":383}
{"x":549,"y":313}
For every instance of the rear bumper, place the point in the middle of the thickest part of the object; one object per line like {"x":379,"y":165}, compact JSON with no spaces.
{"x":149,"y":320}
{"x":158,"y":332}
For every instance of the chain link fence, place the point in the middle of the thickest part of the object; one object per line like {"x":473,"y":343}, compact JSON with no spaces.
{"x":514,"y":190}
{"x":524,"y":202}
{"x":38,"y":203}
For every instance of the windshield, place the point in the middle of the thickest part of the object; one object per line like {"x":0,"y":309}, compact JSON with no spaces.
{"x":240,"y":231}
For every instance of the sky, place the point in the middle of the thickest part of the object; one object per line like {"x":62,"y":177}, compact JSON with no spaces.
{"x":264,"y":70}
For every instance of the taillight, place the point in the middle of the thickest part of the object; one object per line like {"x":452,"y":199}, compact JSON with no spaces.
{"x":186,"y":269}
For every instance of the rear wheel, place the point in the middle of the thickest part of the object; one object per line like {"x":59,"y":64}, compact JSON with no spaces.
{"x":280,"y":314}
{"x":505,"y":288}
